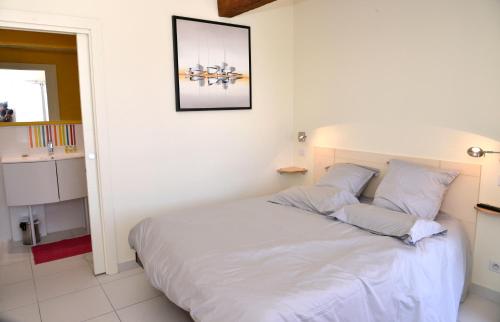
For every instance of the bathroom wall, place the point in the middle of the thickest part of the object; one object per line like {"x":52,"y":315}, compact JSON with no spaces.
{"x":43,"y":48}
{"x":68,"y":215}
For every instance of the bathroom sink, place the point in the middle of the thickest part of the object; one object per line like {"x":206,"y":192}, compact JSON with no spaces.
{"x":40,"y":157}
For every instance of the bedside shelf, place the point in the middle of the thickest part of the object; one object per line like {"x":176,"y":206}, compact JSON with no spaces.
{"x":487,"y":211}
{"x":291,"y":170}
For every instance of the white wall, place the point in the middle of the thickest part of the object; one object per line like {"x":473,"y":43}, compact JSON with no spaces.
{"x":162,"y":159}
{"x":417,"y":78}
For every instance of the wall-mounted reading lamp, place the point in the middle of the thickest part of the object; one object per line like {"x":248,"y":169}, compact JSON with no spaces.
{"x":302,"y":137}
{"x":477,"y":152}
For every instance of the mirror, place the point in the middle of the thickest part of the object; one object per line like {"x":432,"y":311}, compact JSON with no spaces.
{"x":38,"y":78}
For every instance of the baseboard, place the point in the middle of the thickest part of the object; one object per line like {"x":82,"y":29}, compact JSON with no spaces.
{"x":485,"y":292}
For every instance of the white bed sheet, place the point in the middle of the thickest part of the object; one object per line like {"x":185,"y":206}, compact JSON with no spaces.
{"x":253,"y":261}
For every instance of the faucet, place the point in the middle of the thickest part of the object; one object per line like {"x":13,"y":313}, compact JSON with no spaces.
{"x":50,"y":147}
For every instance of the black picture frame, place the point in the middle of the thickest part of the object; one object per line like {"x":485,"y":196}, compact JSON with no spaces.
{"x":178,"y":106}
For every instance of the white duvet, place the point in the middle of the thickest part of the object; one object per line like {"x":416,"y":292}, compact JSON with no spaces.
{"x":253,"y":261}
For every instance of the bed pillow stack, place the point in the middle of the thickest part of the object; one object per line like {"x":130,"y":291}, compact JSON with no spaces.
{"x":385,"y":222}
{"x":322,"y":200}
{"x":347,"y":176}
{"x":405,"y":205}
{"x":339,"y":187}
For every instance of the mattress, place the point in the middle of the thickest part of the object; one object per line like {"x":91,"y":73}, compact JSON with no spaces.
{"x":252,"y":260}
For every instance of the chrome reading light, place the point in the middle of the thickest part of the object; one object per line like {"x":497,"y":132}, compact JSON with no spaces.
{"x":302,"y":137}
{"x":477,"y":152}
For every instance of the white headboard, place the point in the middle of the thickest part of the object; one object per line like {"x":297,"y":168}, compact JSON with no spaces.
{"x":459,"y":201}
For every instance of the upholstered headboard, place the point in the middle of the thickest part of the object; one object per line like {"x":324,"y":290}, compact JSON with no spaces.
{"x":459,"y":201}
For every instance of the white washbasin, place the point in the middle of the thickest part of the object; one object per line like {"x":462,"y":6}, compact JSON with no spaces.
{"x":40,"y":157}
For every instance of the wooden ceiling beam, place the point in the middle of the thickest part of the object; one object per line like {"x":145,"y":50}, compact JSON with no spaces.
{"x":232,"y":8}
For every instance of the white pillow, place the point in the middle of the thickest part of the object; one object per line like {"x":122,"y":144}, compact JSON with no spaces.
{"x":348,"y":176}
{"x":413,"y":189}
{"x":323,"y":200}
{"x":381,"y":221}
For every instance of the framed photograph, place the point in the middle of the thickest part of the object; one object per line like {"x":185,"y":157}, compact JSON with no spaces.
{"x":212,"y":65}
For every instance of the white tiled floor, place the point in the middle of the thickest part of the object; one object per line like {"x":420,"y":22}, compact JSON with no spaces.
{"x":477,"y":309}
{"x":66,"y":291}
{"x":64,"y":234}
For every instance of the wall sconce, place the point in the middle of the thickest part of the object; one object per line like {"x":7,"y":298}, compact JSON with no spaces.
{"x":477,"y":152}
{"x":302,"y":137}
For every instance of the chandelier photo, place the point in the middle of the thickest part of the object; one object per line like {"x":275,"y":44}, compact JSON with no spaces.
{"x":212,"y":65}
{"x":223,"y":75}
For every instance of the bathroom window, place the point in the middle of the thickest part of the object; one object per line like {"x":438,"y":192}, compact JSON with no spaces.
{"x":25,"y":93}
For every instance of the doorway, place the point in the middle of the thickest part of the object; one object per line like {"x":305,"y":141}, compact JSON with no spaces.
{"x":40,"y":116}
{"x":87,"y":33}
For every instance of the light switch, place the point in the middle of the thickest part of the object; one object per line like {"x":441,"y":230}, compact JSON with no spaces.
{"x":91,"y":156}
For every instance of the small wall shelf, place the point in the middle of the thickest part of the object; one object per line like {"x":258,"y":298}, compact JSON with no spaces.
{"x":487,"y":211}
{"x":291,"y":170}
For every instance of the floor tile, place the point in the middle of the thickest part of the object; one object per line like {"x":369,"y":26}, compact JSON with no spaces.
{"x":77,"y":232}
{"x":109,"y":317}
{"x":60,"y":265}
{"x":78,"y":306}
{"x":130,"y":290}
{"x":28,"y":313}
{"x":56,"y":236}
{"x":16,"y":272}
{"x":103,"y":279}
{"x":128,"y":266}
{"x":13,"y":252}
{"x":88,"y":257}
{"x":478,"y":309}
{"x":159,"y":309}
{"x":64,"y":282}
{"x":16,"y":295}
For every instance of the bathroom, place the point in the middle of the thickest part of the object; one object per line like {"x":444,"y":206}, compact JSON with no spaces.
{"x":42,"y":165}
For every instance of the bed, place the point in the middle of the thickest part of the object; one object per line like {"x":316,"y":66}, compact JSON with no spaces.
{"x":252,"y":260}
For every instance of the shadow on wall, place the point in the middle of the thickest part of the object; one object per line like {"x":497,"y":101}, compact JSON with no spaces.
{"x":416,"y":140}
{"x":401,"y":138}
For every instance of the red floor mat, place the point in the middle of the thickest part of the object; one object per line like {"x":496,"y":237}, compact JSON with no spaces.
{"x":61,"y":249}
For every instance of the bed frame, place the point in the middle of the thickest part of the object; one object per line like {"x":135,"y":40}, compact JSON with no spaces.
{"x":459,"y":201}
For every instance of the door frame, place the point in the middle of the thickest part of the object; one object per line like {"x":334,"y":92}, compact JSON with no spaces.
{"x":94,"y":116}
